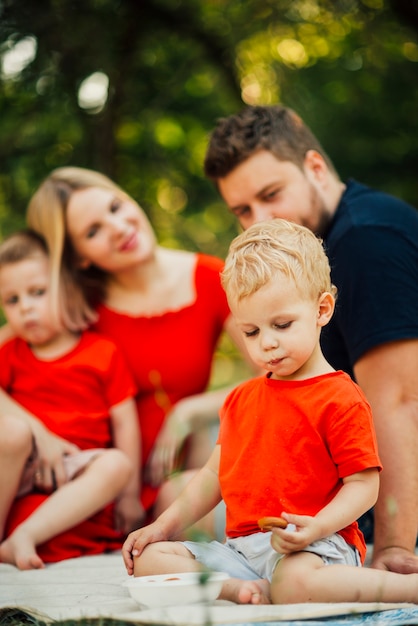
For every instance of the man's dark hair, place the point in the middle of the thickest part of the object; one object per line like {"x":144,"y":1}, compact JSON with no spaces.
{"x":277,"y":129}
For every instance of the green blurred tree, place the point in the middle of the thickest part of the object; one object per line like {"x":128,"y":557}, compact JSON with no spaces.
{"x":133,"y":88}
{"x":170,"y":68}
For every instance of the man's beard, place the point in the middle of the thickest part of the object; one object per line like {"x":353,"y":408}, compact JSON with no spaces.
{"x":322,"y":215}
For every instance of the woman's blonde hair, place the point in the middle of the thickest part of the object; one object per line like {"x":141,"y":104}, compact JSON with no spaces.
{"x":257,"y":255}
{"x":74,"y":291}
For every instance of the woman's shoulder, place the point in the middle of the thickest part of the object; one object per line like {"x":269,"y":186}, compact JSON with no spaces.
{"x":197,"y":266}
{"x":209,"y":261}
{"x":189,"y":258}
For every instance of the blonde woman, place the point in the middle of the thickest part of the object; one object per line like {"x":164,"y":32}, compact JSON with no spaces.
{"x":164,"y":308}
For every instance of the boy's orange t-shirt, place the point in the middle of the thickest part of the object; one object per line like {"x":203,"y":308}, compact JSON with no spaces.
{"x":287,"y":445}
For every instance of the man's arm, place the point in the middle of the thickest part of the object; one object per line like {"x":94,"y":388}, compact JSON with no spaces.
{"x":388,"y":376}
{"x":127,"y":437}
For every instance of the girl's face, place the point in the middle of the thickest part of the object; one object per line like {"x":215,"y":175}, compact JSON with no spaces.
{"x":107,"y":231}
{"x":281,"y":329}
{"x":25,"y":298}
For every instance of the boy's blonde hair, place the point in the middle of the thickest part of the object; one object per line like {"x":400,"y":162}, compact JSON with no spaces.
{"x":257,"y":255}
{"x":73,"y":289}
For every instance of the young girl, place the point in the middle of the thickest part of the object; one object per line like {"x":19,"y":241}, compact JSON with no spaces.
{"x":79,"y":386}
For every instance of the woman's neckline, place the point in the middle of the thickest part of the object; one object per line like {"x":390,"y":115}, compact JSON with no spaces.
{"x":169,"y":286}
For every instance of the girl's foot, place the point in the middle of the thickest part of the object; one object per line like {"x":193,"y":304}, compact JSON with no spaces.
{"x":19,"y":550}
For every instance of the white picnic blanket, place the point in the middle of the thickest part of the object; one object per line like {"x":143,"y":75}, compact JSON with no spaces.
{"x":92,"y":587}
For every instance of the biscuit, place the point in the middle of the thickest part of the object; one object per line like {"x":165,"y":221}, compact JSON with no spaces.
{"x":267,"y":523}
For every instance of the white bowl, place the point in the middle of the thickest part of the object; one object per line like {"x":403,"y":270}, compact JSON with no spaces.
{"x":175,"y":589}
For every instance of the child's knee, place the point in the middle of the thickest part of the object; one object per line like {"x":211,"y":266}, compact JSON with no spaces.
{"x":155,"y":556}
{"x":17,"y":438}
{"x":144,"y":564}
{"x":285,"y":591}
{"x":116,"y":465}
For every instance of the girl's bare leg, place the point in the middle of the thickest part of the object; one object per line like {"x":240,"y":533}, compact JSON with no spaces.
{"x":171,"y":557}
{"x":303,"y":577}
{"x":77,"y":500}
{"x":15,"y":449}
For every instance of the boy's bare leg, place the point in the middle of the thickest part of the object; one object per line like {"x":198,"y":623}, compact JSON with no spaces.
{"x":303,"y":577}
{"x":171,"y":557}
{"x":15,"y":449}
{"x":77,"y":500}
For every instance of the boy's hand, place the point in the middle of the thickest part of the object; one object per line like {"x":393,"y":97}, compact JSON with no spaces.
{"x":137,"y":540}
{"x":301,"y":531}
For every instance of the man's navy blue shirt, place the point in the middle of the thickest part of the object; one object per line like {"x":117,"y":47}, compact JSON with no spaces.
{"x":372,"y":245}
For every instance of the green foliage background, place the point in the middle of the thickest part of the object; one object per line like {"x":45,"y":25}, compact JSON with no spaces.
{"x":349,"y":67}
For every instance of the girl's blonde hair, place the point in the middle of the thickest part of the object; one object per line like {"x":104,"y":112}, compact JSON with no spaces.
{"x":20,"y":246}
{"x":74,"y":291}
{"x":257,"y":255}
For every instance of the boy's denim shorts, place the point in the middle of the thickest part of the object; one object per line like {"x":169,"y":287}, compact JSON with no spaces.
{"x":252,"y":557}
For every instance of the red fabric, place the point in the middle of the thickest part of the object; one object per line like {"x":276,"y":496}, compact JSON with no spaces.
{"x":170,"y":355}
{"x":93,"y":536}
{"x":72,"y":396}
{"x":286,"y":446}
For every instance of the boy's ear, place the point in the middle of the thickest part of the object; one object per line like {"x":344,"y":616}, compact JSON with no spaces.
{"x":326,"y":305}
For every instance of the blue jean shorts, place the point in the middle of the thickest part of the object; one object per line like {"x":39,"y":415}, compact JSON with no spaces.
{"x":252,"y":557}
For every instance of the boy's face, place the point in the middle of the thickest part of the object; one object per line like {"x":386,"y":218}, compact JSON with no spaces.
{"x":281,"y":329}
{"x":262,"y":188}
{"x":24,"y":295}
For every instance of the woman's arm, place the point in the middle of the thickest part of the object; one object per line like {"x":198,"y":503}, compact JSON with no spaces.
{"x":192,"y":415}
{"x":127,"y":437}
{"x":51,"y":448}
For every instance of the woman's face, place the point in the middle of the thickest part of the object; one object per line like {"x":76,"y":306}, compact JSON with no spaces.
{"x":107,"y":231}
